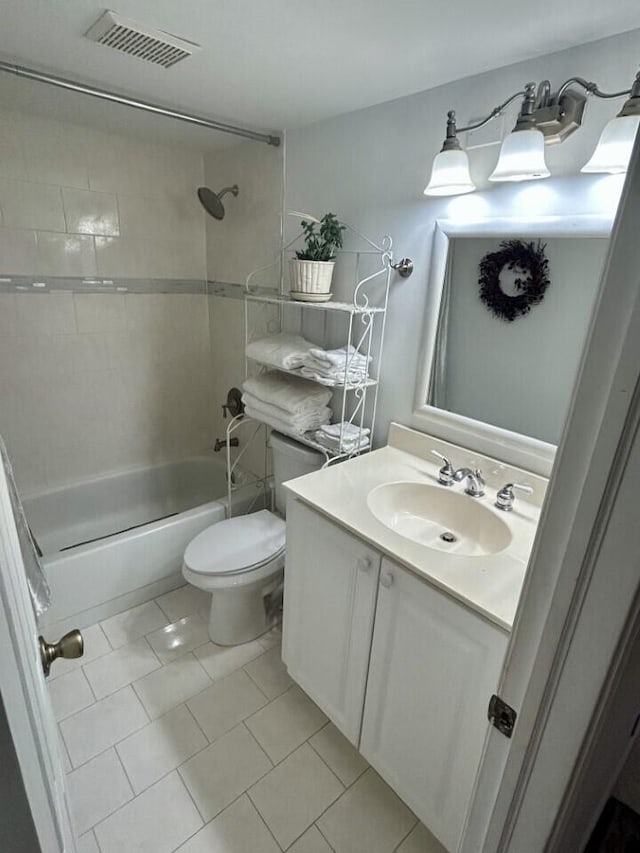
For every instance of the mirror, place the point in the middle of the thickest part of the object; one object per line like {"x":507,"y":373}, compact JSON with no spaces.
{"x":498,"y":385}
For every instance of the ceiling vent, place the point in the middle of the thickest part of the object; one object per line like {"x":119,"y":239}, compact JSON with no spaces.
{"x":138,"y":40}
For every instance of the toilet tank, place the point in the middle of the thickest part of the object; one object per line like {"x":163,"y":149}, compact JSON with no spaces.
{"x":290,"y":460}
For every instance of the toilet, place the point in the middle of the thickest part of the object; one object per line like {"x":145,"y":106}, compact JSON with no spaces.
{"x":240,"y":561}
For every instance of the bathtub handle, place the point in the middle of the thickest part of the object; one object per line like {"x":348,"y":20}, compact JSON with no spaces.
{"x":69,"y":646}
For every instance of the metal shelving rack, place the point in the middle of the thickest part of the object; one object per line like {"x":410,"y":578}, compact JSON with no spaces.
{"x":365,"y":319}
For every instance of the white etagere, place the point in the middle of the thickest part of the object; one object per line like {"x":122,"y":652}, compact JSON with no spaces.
{"x":362,"y":320}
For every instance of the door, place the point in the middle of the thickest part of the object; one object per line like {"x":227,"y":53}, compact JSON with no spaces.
{"x":433,"y":663}
{"x":25,"y":694}
{"x":577,"y":603}
{"x":331,"y":583}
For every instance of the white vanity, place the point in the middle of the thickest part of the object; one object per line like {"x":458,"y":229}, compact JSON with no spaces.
{"x":399,"y":598}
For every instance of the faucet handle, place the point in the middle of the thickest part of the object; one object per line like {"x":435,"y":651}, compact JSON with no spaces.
{"x":447,"y":472}
{"x":505,"y":496}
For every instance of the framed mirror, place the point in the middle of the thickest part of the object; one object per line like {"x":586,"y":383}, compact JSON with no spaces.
{"x":509,"y":308}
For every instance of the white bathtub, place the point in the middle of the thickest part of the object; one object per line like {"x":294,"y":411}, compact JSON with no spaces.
{"x":117,"y":541}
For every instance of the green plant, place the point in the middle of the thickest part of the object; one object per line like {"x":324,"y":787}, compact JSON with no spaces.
{"x":321,"y":245}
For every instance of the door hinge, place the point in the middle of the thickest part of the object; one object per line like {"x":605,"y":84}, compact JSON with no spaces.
{"x":501,"y":715}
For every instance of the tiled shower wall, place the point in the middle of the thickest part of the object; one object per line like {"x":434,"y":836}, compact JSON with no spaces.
{"x":91,"y":383}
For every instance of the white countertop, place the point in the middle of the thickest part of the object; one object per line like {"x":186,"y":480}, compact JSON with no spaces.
{"x":490,"y":584}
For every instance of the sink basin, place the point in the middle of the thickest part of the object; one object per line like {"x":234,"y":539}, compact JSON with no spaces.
{"x":439,"y":518}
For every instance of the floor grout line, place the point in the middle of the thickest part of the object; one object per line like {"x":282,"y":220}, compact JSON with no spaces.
{"x":395,"y":849}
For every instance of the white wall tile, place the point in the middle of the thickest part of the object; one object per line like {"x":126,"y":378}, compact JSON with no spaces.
{"x":8,"y":315}
{"x":89,"y":212}
{"x":12,"y":159}
{"x":55,"y":152}
{"x":100,"y":312}
{"x":33,"y":206}
{"x":66,"y":254}
{"x":45,"y":313}
{"x":19,"y":252}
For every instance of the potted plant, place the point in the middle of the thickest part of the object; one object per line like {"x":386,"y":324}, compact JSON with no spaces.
{"x":312,"y":268}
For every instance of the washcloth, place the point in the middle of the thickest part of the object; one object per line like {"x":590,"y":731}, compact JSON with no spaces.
{"x":339,"y":357}
{"x":300,"y":422}
{"x":334,"y":367}
{"x":283,"y":350}
{"x":353,"y":437}
{"x":347,"y":446}
{"x":292,"y":394}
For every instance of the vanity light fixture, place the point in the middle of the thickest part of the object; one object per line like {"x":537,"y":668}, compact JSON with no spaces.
{"x":545,"y":118}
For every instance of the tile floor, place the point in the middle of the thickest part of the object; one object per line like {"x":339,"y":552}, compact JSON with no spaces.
{"x":174,"y":744}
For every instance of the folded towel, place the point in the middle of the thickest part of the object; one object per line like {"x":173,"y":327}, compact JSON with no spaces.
{"x":332,"y":380}
{"x":346,"y":429}
{"x":290,"y":393}
{"x":289,"y":427}
{"x":300,"y":421}
{"x":348,"y":445}
{"x":339,"y":357}
{"x":283,"y":350}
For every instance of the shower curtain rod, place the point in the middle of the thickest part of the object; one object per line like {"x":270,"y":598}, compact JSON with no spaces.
{"x":73,"y":86}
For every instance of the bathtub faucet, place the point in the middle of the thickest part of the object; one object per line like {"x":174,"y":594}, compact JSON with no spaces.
{"x":233,"y":442}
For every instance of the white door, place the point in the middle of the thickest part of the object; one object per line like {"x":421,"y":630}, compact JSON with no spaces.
{"x":576,"y":603}
{"x":25,"y":694}
{"x":330,"y":598}
{"x":433,"y":663}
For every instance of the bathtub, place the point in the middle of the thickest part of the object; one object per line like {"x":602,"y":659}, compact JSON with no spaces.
{"x":117,"y":541}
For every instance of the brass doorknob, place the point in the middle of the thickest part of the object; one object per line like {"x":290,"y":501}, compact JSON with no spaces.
{"x":69,"y":646}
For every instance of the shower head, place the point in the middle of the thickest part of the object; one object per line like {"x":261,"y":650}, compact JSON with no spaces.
{"x":212,"y":201}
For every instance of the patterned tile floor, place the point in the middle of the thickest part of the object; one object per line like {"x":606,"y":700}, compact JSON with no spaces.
{"x":175,"y":744}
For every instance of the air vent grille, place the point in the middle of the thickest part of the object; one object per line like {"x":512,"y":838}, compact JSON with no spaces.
{"x":140,"y":41}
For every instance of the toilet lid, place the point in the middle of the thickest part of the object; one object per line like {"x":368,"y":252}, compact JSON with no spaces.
{"x":236,"y":544}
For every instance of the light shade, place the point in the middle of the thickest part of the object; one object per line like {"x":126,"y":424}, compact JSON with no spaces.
{"x":614,"y":147}
{"x":521,"y":157}
{"x":450,"y":174}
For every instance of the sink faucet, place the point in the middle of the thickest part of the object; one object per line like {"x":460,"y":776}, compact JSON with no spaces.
{"x":475,"y":481}
{"x":447,"y":472}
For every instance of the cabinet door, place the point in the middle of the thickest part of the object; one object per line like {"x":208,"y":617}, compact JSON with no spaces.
{"x":434,"y":666}
{"x":331,"y":581}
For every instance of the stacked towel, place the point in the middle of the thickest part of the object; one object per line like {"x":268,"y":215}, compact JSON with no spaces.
{"x":283,"y":350}
{"x":353,"y":437}
{"x":289,"y":404}
{"x":332,"y":367}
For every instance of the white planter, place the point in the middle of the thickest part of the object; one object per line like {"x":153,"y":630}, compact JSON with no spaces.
{"x":311,"y":280}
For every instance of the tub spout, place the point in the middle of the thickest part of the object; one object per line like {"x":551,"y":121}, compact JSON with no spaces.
{"x":217,"y":447}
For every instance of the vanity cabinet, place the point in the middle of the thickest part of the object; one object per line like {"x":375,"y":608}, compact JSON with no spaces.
{"x":331,"y":584}
{"x":402,"y":669}
{"x":434,"y":665}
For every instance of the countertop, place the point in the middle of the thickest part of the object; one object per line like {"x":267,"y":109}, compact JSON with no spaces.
{"x":489,"y":584}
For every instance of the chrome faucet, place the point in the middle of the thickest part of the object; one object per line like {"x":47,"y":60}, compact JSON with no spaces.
{"x":505,"y":497}
{"x":475,"y":481}
{"x":447,"y":472}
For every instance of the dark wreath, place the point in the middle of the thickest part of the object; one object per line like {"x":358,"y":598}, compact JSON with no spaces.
{"x":515,"y":255}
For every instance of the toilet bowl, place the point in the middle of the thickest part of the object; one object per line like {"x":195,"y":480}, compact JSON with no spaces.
{"x":240,"y":561}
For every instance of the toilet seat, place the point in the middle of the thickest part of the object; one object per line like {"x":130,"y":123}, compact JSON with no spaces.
{"x":236,"y":545}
